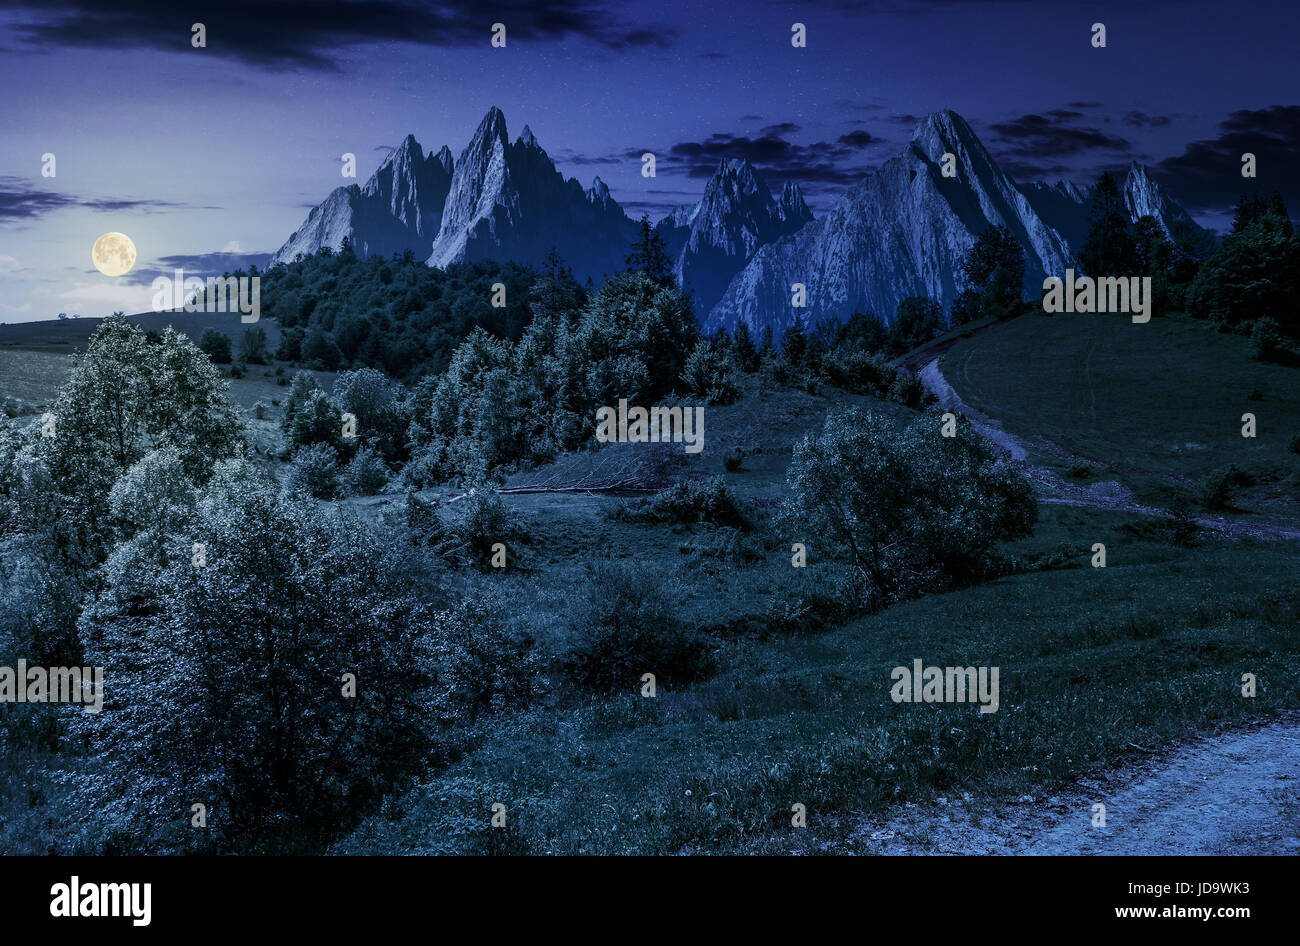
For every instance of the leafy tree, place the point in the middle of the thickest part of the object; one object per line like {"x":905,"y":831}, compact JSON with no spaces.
{"x":300,"y":390}
{"x":318,"y":421}
{"x":253,"y":347}
{"x":320,"y":350}
{"x":290,"y":347}
{"x":915,"y":511}
{"x":216,"y":345}
{"x":794,"y":345}
{"x":994,"y":270}
{"x":124,"y":399}
{"x":711,"y":373}
{"x":376,"y":402}
{"x":314,"y":471}
{"x":228,"y":679}
{"x":1254,"y":273}
{"x":635,"y":335}
{"x":919,"y":320}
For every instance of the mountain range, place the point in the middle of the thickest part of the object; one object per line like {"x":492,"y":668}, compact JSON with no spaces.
{"x":901,"y":231}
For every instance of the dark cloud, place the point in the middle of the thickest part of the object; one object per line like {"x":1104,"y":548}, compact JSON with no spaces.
{"x":1083,"y":105}
{"x":19,"y":200}
{"x":201,"y":265}
{"x":1207,"y":175}
{"x":1143,"y":120}
{"x":911,"y":121}
{"x":781,"y":128}
{"x":858,"y":139}
{"x":309,"y":34}
{"x":1035,"y":140}
{"x":821,"y":163}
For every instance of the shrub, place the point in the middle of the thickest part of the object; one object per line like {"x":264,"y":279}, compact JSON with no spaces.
{"x":914,"y":511}
{"x":252,"y":347}
{"x":228,"y":680}
{"x":710,"y":500}
{"x":1218,"y":488}
{"x":366,"y":474}
{"x":216,"y":346}
{"x":1265,"y":340}
{"x":483,"y":521}
{"x":314,"y":471}
{"x":733,"y":460}
{"x":626,"y":627}
{"x":479,"y":666}
{"x":711,"y":373}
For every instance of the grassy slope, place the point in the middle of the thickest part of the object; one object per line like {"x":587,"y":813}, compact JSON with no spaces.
{"x":1148,"y":650}
{"x":1158,"y":405}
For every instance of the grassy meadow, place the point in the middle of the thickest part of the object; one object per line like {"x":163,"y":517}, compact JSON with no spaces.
{"x":1094,"y":662}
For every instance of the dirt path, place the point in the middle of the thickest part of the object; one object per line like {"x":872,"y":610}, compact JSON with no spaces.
{"x":1110,"y":494}
{"x":1237,"y":793}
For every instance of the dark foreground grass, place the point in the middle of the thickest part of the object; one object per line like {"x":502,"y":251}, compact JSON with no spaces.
{"x":1148,"y":650}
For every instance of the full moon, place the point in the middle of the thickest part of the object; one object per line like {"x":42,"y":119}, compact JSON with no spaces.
{"x":113,"y":254}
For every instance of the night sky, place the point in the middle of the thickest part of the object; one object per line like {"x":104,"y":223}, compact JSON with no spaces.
{"x":195,"y":153}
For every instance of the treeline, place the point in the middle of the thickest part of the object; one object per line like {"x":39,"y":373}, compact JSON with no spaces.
{"x":336,"y":310}
{"x":1245,"y":283}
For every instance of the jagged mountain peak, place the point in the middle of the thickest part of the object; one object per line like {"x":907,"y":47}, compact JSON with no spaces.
{"x":793,"y":207}
{"x":947,"y":127}
{"x":443,"y":157}
{"x":491,"y":128}
{"x":527,"y":138}
{"x":599,"y":190}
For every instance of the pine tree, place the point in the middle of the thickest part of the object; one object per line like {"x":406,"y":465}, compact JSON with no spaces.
{"x":746,"y":353}
{"x":1109,"y":247}
{"x":650,"y":256}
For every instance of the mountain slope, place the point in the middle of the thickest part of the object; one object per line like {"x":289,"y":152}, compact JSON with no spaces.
{"x":398,"y":209}
{"x":507,"y":201}
{"x":496,"y":201}
{"x":711,"y":241}
{"x":900,"y":232}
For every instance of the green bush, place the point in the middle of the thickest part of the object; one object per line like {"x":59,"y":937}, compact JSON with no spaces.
{"x":1219,"y":487}
{"x":216,"y":346}
{"x":710,"y":500}
{"x":912,"y":510}
{"x":314,"y":471}
{"x":366,"y":473}
{"x":627,"y":626}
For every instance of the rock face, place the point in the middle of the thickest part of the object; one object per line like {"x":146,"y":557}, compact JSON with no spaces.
{"x":496,"y":201}
{"x":508,"y":202}
{"x":710,"y":242}
{"x":398,"y":209}
{"x":1143,"y":196}
{"x":900,"y":232}
{"x":904,"y":230}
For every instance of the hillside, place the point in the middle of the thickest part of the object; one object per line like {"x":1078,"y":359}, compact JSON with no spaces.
{"x":1156,"y":407}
